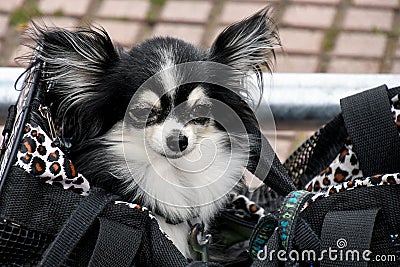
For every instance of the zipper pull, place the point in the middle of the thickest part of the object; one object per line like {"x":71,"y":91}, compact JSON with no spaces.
{"x":45,"y":112}
{"x":62,"y":143}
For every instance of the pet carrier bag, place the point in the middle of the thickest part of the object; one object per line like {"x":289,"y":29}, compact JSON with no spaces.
{"x":346,"y":211}
{"x":50,"y":216}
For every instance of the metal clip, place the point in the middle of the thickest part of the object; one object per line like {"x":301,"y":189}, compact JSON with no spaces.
{"x":199,"y":241}
{"x":47,"y":115}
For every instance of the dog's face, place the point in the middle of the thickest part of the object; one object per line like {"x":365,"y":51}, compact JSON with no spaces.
{"x":175,"y":121}
{"x":176,"y":135}
{"x":171,"y":114}
{"x":93,"y":82}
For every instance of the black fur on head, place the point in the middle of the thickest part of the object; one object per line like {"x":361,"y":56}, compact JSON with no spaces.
{"x":78,"y":66}
{"x":248,"y":45}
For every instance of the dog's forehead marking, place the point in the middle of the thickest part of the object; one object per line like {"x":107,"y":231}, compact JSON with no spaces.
{"x":150,"y":97}
{"x":168,"y":75}
{"x":197,"y":94}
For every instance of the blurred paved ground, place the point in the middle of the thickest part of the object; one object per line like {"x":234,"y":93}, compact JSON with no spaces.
{"x":342,"y":36}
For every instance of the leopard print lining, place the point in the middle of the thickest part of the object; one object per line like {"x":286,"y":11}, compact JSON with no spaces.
{"x":344,"y":167}
{"x":396,"y":111}
{"x":144,"y":209}
{"x":344,"y":172}
{"x":376,"y":180}
{"x":41,"y":158}
{"x":135,"y":206}
{"x":242,"y":207}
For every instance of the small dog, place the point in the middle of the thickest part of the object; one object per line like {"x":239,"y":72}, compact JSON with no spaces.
{"x":164,"y":143}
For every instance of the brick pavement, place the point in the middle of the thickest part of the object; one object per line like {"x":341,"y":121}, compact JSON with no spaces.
{"x":359,"y":36}
{"x":339,"y":36}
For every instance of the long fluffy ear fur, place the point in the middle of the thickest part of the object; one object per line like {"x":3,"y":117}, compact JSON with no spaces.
{"x":248,"y":45}
{"x":76,"y":67}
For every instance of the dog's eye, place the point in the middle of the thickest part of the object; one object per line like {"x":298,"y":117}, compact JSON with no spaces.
{"x":142,"y":113}
{"x":200,"y":111}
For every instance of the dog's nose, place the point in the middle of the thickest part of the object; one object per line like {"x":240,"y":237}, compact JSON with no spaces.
{"x":177,"y":142}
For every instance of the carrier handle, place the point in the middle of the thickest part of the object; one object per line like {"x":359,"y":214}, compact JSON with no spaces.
{"x":267,"y":165}
{"x":75,"y":228}
{"x":115,"y":244}
{"x":7,"y":162}
{"x":369,"y":122}
{"x":348,"y":230}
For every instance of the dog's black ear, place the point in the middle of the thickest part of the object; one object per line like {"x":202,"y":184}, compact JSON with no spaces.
{"x":248,"y":44}
{"x":77,"y":65}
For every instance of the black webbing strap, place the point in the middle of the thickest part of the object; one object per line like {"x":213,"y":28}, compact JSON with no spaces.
{"x":75,"y":228}
{"x":347,"y":231}
{"x":305,"y":238}
{"x":372,"y":131}
{"x":270,"y":169}
{"x":116,"y":245}
{"x":267,"y":257}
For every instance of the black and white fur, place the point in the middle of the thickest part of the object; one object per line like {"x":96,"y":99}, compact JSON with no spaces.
{"x":91,"y":85}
